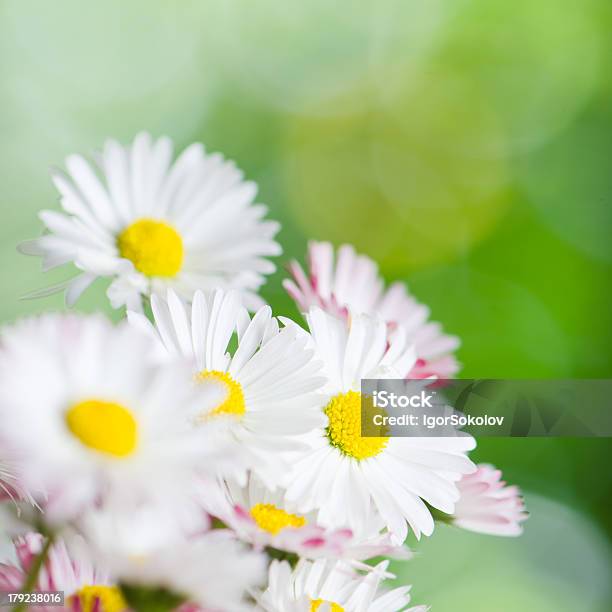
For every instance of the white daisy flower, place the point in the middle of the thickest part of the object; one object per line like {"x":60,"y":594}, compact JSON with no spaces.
{"x":85,"y":588}
{"x":488,"y":505}
{"x":263,"y":519}
{"x":327,"y":586}
{"x":149,"y":549}
{"x":348,"y":478}
{"x":354,"y":283}
{"x":85,"y":414}
{"x":148,"y":224}
{"x":269,"y":379}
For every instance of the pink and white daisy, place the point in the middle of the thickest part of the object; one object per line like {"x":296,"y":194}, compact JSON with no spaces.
{"x":147,"y":223}
{"x":263,"y":519}
{"x":348,"y":478}
{"x":328,"y":586}
{"x":488,"y":505}
{"x":86,"y":589}
{"x":353,"y":282}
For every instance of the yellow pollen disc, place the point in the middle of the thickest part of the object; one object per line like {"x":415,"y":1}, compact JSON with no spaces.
{"x":272,"y":519}
{"x":107,"y":598}
{"x":315,"y":603}
{"x":154,"y":247}
{"x":344,"y":429}
{"x":104,"y":426}
{"x":234,"y":399}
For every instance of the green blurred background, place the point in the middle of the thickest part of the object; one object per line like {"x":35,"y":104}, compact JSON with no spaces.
{"x":465,"y":144}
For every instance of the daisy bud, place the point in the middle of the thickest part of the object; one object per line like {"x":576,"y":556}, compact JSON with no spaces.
{"x":487,"y":505}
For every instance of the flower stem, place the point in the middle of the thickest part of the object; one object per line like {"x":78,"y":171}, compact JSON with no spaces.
{"x":33,"y":571}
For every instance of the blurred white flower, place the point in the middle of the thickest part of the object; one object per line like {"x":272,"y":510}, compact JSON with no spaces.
{"x":149,"y":224}
{"x":262,"y":518}
{"x":353,"y":283}
{"x":268,"y":381}
{"x":488,"y":505}
{"x":150,"y":549}
{"x":328,"y":586}
{"x":347,"y":477}
{"x":85,"y":588}
{"x":86,"y":415}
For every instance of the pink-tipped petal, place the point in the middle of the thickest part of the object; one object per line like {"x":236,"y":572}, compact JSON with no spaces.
{"x":487,"y":505}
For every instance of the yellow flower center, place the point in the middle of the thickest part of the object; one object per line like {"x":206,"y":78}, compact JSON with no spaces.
{"x":344,"y":429}
{"x":104,"y":426}
{"x":154,"y":247}
{"x":272,"y":519}
{"x":315,"y":603}
{"x":99,"y":598}
{"x":233,"y":403}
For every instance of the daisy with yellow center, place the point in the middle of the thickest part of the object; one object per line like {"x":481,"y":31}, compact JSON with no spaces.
{"x":349,"y":474}
{"x":334,"y":586}
{"x":148,"y":223}
{"x":273,"y":520}
{"x":266,"y":374}
{"x":262,"y":514}
{"x":85,"y":587}
{"x":263,"y":519}
{"x":103,"y":416}
{"x":178,"y":561}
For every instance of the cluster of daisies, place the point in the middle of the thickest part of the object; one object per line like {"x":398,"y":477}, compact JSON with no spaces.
{"x":204,"y":454}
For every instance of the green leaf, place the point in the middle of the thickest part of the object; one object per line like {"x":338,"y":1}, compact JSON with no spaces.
{"x":145,"y":599}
